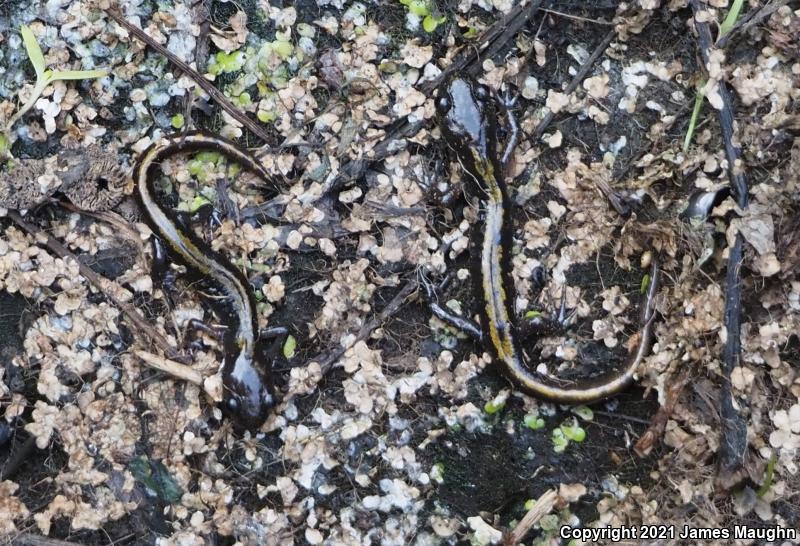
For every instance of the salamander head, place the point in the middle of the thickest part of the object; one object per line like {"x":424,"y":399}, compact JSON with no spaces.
{"x":248,"y":394}
{"x":465,"y":113}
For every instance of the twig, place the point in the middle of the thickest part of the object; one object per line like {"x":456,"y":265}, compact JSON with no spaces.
{"x":543,"y":506}
{"x":577,"y":17}
{"x":493,"y":40}
{"x":108,"y":287}
{"x":170,"y":367}
{"x":752,"y":19}
{"x":326,"y":361}
{"x":200,"y":17}
{"x":489,"y":44}
{"x":203,"y":83}
{"x":733,"y":445}
{"x":576,"y":81}
{"x":659,"y":422}
{"x":624,"y":417}
{"x":354,"y":169}
{"x":27,"y":539}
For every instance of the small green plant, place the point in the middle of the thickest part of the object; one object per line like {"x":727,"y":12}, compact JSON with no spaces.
{"x":584,"y":412}
{"x":769,"y":474}
{"x":177,"y":121}
{"x":533,"y":421}
{"x":698,"y":104}
{"x":289,"y":347}
{"x":424,"y":9}
{"x":568,"y":431}
{"x":44,"y":77}
{"x":727,"y":25}
{"x":646,"y":280}
{"x":492,"y":406}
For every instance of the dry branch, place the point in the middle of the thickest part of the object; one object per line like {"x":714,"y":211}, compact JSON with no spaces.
{"x":733,"y":444}
{"x":107,"y":287}
{"x":217,"y":95}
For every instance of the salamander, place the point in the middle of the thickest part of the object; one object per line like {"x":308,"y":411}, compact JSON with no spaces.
{"x":465,"y":113}
{"x":246,"y":376}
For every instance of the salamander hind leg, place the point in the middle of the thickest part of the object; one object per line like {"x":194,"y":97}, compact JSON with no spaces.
{"x":462,"y":323}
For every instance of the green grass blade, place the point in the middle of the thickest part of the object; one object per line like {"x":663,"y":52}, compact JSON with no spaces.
{"x":731,"y":18}
{"x":698,"y":103}
{"x":34,"y":51}
{"x":78,"y":74}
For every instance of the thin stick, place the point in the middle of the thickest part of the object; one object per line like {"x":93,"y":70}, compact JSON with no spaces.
{"x":577,"y":17}
{"x":750,"y":20}
{"x":203,"y":83}
{"x":543,"y":506}
{"x":576,"y":81}
{"x":106,"y":286}
{"x":655,"y":431}
{"x":489,"y":44}
{"x":27,"y":539}
{"x":327,"y":361}
{"x":170,"y":367}
{"x":733,"y":446}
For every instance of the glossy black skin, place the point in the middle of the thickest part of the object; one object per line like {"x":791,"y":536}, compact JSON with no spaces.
{"x":246,"y":374}
{"x":466,"y":115}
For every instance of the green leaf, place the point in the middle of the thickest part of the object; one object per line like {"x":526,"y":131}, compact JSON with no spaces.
{"x":533,"y":314}
{"x":32,"y":48}
{"x":493,"y":406}
{"x":78,"y":74}
{"x":437,"y":472}
{"x":533,"y":421}
{"x":730,"y":19}
{"x":560,"y":440}
{"x":244,"y":99}
{"x":226,"y":62}
{"x":289,"y":346}
{"x":550,"y":522}
{"x":177,"y":121}
{"x":645,"y":283}
{"x":584,"y":412}
{"x":265,"y":116}
{"x":234,"y":169}
{"x":419,"y":8}
{"x":573,"y":431}
{"x":5,"y":145}
{"x":529,"y":504}
{"x":154,"y":476}
{"x":429,"y":23}
{"x":282,"y":48}
{"x":198,"y":202}
{"x":209,"y":157}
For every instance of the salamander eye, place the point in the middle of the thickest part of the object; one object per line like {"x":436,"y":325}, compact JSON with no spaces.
{"x":482,"y":92}
{"x":233,"y":405}
{"x":443,"y":104}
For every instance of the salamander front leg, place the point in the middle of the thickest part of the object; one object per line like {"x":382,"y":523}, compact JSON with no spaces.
{"x":507,"y":101}
{"x":462,"y":323}
{"x":441,"y":197}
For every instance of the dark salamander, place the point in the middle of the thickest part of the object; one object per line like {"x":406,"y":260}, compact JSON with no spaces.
{"x":246,"y":378}
{"x":466,"y":117}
